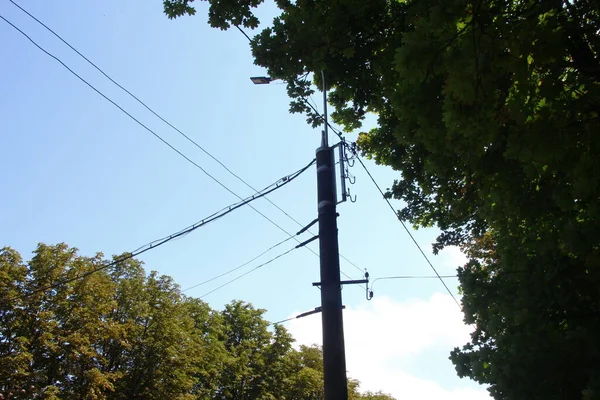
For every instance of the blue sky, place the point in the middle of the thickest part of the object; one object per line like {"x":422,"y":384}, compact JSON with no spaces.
{"x":77,"y":170}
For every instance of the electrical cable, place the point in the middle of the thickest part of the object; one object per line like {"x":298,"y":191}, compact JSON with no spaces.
{"x":411,"y":277}
{"x":159,"y":242}
{"x":148,"y":129}
{"x":226,"y":210}
{"x":149,"y":108}
{"x":414,"y":277}
{"x":243,"y":33}
{"x":116,"y":105}
{"x":166,"y":122}
{"x":407,"y":230}
{"x":249,"y":272}
{"x":238,"y":267}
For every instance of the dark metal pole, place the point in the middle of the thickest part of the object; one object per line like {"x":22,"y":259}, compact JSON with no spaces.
{"x":334,"y":354}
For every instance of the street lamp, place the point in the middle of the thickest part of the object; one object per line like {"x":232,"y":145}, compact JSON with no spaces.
{"x":261,"y":80}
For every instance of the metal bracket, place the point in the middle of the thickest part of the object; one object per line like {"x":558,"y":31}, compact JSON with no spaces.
{"x":307,"y":227}
{"x":353,"y":282}
{"x":340,"y":146}
{"x":307,"y":241}
{"x":315,"y":311}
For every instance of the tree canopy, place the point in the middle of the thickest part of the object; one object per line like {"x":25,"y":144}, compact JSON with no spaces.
{"x":122,"y":334}
{"x":489,"y":111}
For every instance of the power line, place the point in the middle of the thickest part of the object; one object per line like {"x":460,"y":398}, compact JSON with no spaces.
{"x":243,"y":33}
{"x":238,"y":267}
{"x":145,"y":127}
{"x":411,"y":277}
{"x":226,"y":210}
{"x":249,"y":272}
{"x":159,"y":242}
{"x":415,"y":277}
{"x":116,"y":105}
{"x":407,"y":230}
{"x":144,"y":105}
{"x":168,"y":123}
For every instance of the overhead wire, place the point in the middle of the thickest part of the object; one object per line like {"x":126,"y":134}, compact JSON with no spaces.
{"x":411,"y":277}
{"x":407,"y":230}
{"x":196,"y":144}
{"x":159,"y":242}
{"x":244,"y":33}
{"x":238,"y":267}
{"x":373,"y":282}
{"x":414,"y":277}
{"x":251,"y":271}
{"x":145,"y":127}
{"x":226,"y":210}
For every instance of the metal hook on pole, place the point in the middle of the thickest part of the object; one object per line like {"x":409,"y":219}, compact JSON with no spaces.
{"x":352,"y":199}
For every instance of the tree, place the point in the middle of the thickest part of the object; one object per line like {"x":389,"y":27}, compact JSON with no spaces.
{"x":14,"y":353}
{"x":211,"y":357}
{"x":256,"y":364}
{"x":306,"y":378}
{"x":162,"y":356}
{"x":102,"y":336}
{"x":51,"y":332}
{"x":489,"y":111}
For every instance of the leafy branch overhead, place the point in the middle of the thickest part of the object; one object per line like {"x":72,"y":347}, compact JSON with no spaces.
{"x":489,"y":111}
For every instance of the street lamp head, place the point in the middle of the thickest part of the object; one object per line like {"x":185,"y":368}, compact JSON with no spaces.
{"x":260,"y":80}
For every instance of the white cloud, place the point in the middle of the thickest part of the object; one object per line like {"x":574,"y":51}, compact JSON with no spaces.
{"x":388,"y":341}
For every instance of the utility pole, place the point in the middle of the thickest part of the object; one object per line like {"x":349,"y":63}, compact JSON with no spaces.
{"x":334,"y":353}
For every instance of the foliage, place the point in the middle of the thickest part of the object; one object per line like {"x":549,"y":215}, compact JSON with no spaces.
{"x":489,"y":110}
{"x":123,"y":334}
